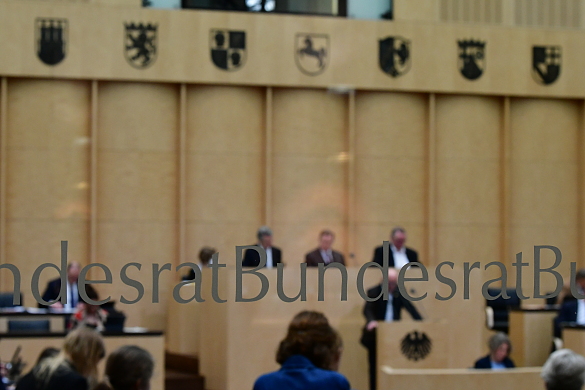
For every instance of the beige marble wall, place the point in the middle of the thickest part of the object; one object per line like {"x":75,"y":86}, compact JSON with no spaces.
{"x":390,"y":164}
{"x":544,"y":182}
{"x":47,"y":156}
{"x":309,"y":170}
{"x":225,"y":144}
{"x":467,"y":199}
{"x":137,"y":190}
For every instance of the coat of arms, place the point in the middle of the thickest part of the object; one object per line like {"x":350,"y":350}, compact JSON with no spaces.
{"x":140,"y":44}
{"x":546,"y":64}
{"x":416,"y":346}
{"x":312,"y":53}
{"x":471,"y":58}
{"x":228,"y":48}
{"x":394,"y":55}
{"x":51,"y":38}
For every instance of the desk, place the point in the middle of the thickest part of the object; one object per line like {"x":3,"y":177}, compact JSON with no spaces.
{"x":33,"y":343}
{"x":236,"y":341}
{"x":531,"y":333}
{"x":56,"y":317}
{"x":461,"y":379}
{"x":574,"y":338}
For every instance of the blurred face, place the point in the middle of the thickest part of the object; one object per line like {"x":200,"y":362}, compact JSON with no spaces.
{"x":325,"y":241}
{"x":581,"y":283}
{"x":501,"y":353}
{"x":392,"y":279}
{"x":73,"y":271}
{"x":399,"y":239}
{"x":266,"y":241}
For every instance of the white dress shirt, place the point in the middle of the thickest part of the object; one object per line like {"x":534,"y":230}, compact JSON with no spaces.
{"x":581,"y":311}
{"x":327,"y":255}
{"x":269,"y":263}
{"x":400,"y":259}
{"x":389,"y":309}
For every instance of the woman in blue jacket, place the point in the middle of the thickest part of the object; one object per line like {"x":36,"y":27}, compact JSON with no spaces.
{"x":309,"y":357}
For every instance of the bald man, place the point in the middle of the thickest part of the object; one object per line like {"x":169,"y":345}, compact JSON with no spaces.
{"x":381,"y":310}
{"x":73,"y":298}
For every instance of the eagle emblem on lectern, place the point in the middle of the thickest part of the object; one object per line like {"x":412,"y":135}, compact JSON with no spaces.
{"x":416,"y":346}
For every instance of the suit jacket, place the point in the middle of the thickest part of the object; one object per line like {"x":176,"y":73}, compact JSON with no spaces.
{"x":54,"y":288}
{"x":62,"y":379}
{"x":411,"y":255}
{"x":567,"y":313}
{"x":252,"y":258}
{"x":376,"y":311}
{"x":298,"y":373}
{"x":314,"y":257}
{"x":485,"y":362}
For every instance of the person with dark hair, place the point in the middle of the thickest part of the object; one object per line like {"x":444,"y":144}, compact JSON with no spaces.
{"x":74,"y":368}
{"x":47,"y":353}
{"x":205,"y":257}
{"x":309,"y":356}
{"x":128,"y":368}
{"x":273,"y":254}
{"x":399,"y":254}
{"x":500,"y":348}
{"x":324,"y":253}
{"x":381,"y":310}
{"x":572,"y":310}
{"x":564,"y":370}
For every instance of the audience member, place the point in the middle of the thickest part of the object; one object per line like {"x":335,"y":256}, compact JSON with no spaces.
{"x":500,"y":347}
{"x":564,"y":370}
{"x":74,"y":368}
{"x":47,"y":353}
{"x":308,"y":355}
{"x":273,"y":254}
{"x":381,"y":310}
{"x":54,"y":288}
{"x":572,"y":310}
{"x":128,"y":368}
{"x":324,"y":253}
{"x":92,"y":316}
{"x":399,"y":255}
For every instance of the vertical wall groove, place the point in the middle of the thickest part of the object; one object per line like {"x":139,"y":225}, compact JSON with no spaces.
{"x":351,"y":182}
{"x":93,"y":167}
{"x":182,"y":175}
{"x":3,"y":148}
{"x":505,"y":143}
{"x":580,"y":182}
{"x":431,"y":174}
{"x":268,"y":157}
{"x":182,"y":179}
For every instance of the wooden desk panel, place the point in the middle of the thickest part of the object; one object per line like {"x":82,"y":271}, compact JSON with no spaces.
{"x":237,"y":341}
{"x":461,"y":379}
{"x":531,"y":334}
{"x":33,"y":346}
{"x":574,"y":339}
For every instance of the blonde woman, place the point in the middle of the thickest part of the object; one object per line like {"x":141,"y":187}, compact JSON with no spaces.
{"x":74,"y":368}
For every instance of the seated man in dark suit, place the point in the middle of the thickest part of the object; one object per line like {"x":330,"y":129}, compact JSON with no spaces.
{"x":378,"y":310}
{"x":572,"y":310}
{"x":498,"y":359}
{"x":273,"y":254}
{"x":324,"y":253}
{"x":399,"y":254}
{"x":73,"y":298}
